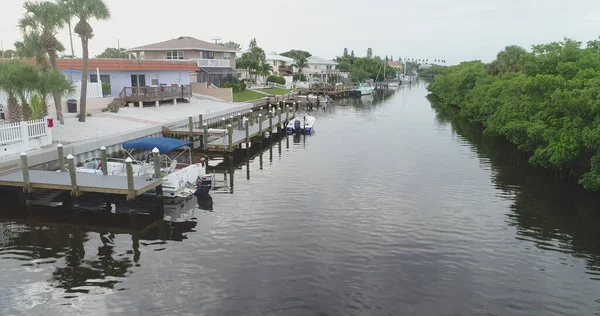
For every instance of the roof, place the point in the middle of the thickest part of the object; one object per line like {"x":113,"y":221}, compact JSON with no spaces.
{"x":275,"y":56}
{"x":320,"y":61}
{"x":164,"y":144}
{"x":122,"y":64}
{"x":183,"y":43}
{"x":218,"y":70}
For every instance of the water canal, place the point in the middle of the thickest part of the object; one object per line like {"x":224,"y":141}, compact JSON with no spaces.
{"x":394,"y":207}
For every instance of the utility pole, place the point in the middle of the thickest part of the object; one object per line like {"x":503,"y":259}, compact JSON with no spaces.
{"x":216,"y":39}
{"x":2,"y":48}
{"x":118,"y":44}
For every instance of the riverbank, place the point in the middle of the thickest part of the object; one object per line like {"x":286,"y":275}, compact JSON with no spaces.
{"x":546,"y":106}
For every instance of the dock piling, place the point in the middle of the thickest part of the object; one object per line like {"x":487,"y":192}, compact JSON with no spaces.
{"x":25,"y":169}
{"x":157,"y":172}
{"x":104,"y":161}
{"x":205,"y":136}
{"x":200,"y":120}
{"x":251,"y":117}
{"x":270,"y":123}
{"x":230,"y":136}
{"x":130,"y":185}
{"x":279,"y":123}
{"x":247,"y":137}
{"x":73,"y":175}
{"x":260,"y":129}
{"x":61,"y":157}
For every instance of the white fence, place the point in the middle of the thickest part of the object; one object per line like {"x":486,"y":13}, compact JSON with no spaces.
{"x":277,"y":85}
{"x":22,"y":136}
{"x":214,"y":63}
{"x":94,"y":90}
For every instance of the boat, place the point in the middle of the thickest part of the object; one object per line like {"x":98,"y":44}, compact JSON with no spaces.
{"x":365,"y":90}
{"x":301,"y":123}
{"x":318,"y":99}
{"x":393,"y":84}
{"x":179,"y":178}
{"x":205,"y":183}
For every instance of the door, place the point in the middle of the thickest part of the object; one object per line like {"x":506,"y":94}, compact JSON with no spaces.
{"x":138,"y":80}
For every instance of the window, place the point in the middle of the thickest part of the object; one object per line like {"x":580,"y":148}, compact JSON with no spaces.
{"x":93,"y":78}
{"x":208,"y":55}
{"x":175,"y":55}
{"x":227,"y":56}
{"x":103,"y":78}
{"x":138,"y":80}
{"x":154,"y":80}
{"x":142,"y":55}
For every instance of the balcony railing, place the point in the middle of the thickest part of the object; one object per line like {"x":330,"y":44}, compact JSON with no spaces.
{"x":214,"y":63}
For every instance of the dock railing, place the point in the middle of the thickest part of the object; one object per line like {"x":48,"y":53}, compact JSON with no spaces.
{"x":150,"y":94}
{"x":25,"y":135}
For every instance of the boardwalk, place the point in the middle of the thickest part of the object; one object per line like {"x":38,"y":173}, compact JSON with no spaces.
{"x":85,"y":182}
{"x":239,"y":135}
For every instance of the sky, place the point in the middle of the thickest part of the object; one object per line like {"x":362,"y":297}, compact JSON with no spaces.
{"x":454,"y":30}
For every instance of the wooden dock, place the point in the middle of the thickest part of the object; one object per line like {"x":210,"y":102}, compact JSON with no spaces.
{"x":256,"y":128}
{"x":155,"y":94}
{"x":332,"y":90}
{"x":86,"y":183}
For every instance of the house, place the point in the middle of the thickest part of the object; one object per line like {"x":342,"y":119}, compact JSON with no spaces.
{"x":321,"y":66}
{"x":216,"y":63}
{"x":119,"y":73}
{"x":281,"y":64}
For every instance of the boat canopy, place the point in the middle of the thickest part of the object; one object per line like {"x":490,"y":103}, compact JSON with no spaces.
{"x":164,"y":144}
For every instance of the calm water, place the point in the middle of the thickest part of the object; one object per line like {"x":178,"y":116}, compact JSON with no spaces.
{"x":393,"y":207}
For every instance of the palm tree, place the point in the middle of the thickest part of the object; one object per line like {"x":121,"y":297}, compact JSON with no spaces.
{"x":46,"y":19}
{"x":300,"y":62}
{"x":50,"y":82}
{"x":8,"y":85}
{"x":265,"y":70}
{"x":30,"y":47}
{"x":68,"y":18}
{"x":86,"y":10}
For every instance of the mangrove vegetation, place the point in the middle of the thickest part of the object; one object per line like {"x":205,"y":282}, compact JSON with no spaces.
{"x":545,"y":101}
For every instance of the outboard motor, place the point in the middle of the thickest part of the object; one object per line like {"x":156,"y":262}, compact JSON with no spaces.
{"x":297,"y":126}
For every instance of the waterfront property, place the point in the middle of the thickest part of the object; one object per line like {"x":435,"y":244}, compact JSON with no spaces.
{"x":22,"y":136}
{"x":216,"y":63}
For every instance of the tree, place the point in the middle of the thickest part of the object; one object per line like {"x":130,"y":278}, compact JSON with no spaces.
{"x":86,"y":10}
{"x":265,"y":69}
{"x":111,"y":52}
{"x":300,"y":63}
{"x":252,"y":44}
{"x":30,"y":47}
{"x":294,"y":54}
{"x":50,"y":82}
{"x":345,"y":52}
{"x":369,"y":52}
{"x":9,"y":53}
{"x":8,"y":84}
{"x":68,"y":18}
{"x":46,"y":19}
{"x":233,"y":45}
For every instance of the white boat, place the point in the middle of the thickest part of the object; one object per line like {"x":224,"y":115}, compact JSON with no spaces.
{"x":301,"y":123}
{"x":315,"y":98}
{"x":179,"y":180}
{"x":365,"y":90}
{"x":393,"y":84}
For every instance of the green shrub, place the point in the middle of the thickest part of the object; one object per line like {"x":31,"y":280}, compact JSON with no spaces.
{"x":114,"y":106}
{"x":235,"y":86}
{"x":38,"y":106}
{"x":106,"y":89}
{"x":276,"y":79}
{"x":88,"y":114}
{"x":242,"y":86}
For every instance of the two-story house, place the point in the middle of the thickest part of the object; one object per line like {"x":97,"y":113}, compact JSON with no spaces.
{"x":320,"y":66}
{"x":216,"y":62}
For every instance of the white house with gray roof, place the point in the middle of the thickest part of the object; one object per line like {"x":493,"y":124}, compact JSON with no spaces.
{"x":217,"y":63}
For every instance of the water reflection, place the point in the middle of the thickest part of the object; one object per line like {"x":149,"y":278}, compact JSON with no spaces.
{"x":555,"y":216}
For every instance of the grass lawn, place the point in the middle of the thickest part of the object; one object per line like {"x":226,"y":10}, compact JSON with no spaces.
{"x":278,"y":91}
{"x":247,"y":95}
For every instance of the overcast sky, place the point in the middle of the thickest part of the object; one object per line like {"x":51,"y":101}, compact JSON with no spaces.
{"x":454,"y":30}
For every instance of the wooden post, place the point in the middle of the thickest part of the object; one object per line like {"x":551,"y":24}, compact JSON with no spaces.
{"x":230,"y":120}
{"x":104,"y":161}
{"x":270,"y":123}
{"x":130,"y":185}
{"x":191,"y":127}
{"x":240,"y":120}
{"x":247,"y":136}
{"x":26,"y":179}
{"x":205,"y":137}
{"x":251,"y":117}
{"x":223,"y":122}
{"x":200,"y":120}
{"x":73,"y":175}
{"x":157,"y":171}
{"x":61,"y":157}
{"x":279,"y":123}
{"x":230,"y":136}
{"x":260,"y":125}
{"x":287,"y":113}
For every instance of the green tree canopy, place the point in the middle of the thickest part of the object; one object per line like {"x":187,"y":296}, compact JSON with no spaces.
{"x":111,"y":52}
{"x":233,"y":45}
{"x":296,"y":54}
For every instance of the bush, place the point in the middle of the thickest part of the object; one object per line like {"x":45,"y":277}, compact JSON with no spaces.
{"x":242,"y":86}
{"x":114,"y":106}
{"x":300,"y":77}
{"x":235,"y":86}
{"x":276,"y":79}
{"x":106,"y":89}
